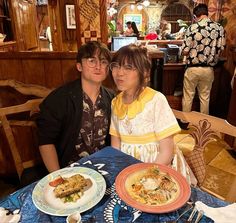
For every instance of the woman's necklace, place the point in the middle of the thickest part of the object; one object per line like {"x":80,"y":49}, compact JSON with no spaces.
{"x":127,"y":100}
{"x":128,"y":125}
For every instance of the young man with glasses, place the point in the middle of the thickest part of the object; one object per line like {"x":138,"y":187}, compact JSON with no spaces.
{"x":74,"y":119}
{"x":203,"y":43}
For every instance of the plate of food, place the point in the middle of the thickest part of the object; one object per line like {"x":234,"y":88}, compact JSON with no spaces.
{"x":152,"y":188}
{"x":68,"y":190}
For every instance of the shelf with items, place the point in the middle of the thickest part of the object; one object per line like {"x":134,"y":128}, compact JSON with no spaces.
{"x":8,"y":46}
{"x":6,"y":21}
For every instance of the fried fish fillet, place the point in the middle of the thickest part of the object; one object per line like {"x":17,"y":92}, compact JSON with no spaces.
{"x":73,"y":184}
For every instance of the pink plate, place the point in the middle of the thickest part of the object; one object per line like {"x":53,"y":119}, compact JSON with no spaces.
{"x":178,"y":202}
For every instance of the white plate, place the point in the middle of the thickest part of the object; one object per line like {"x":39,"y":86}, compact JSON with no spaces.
{"x":45,"y":200}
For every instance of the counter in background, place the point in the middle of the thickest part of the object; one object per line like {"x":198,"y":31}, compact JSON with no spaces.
{"x":172,"y":80}
{"x":8,"y":46}
{"x":160,"y":43}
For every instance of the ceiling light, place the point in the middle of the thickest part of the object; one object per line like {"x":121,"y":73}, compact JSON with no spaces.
{"x":146,"y":3}
{"x":132,"y":7}
{"x":139,"y":7}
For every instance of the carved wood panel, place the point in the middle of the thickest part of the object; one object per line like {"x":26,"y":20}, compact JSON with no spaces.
{"x":91,"y":21}
{"x":24,"y":16}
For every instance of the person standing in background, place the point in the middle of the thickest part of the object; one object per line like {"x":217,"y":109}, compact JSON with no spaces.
{"x":129,"y":31}
{"x":203,"y":43}
{"x":165,"y":29}
{"x":135,"y":29}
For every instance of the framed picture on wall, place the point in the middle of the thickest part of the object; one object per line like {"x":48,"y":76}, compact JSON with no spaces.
{"x":137,"y":18}
{"x":70,"y":17}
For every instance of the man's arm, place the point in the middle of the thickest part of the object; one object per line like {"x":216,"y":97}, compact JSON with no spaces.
{"x":166,"y":151}
{"x":49,"y":156}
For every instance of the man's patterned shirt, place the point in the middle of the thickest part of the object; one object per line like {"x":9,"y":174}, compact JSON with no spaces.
{"x":204,"y":41}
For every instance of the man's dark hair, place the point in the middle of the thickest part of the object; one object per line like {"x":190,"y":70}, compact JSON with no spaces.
{"x":200,"y":9}
{"x":129,"y":23}
{"x":90,"y":48}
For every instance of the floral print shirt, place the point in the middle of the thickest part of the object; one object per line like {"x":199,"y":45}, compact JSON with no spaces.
{"x":94,"y":128}
{"x":204,"y":41}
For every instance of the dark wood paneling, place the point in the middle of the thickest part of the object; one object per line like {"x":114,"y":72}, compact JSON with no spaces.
{"x":69,"y":71}
{"x":53,"y":66}
{"x":49,"y":69}
{"x":52,"y":69}
{"x":172,"y":74}
{"x":11,"y":68}
{"x":33,"y":71}
{"x":8,"y":46}
{"x":103,"y":21}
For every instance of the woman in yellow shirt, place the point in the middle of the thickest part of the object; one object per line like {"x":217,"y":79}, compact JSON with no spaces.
{"x":142,"y":122}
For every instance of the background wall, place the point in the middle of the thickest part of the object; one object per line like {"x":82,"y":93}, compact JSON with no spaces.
{"x":151,"y":14}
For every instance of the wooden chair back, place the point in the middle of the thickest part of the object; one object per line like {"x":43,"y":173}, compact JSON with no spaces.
{"x":204,"y":129}
{"x":26,"y":89}
{"x":218,"y":125}
{"x":13,"y":125}
{"x":18,"y":140}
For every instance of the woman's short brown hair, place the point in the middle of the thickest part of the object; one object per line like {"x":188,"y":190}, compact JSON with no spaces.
{"x":136,"y":56}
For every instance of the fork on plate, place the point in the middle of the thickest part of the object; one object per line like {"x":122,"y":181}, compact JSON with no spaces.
{"x":192,"y":215}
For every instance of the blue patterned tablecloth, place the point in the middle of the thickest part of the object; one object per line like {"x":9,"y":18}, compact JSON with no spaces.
{"x":111,"y":209}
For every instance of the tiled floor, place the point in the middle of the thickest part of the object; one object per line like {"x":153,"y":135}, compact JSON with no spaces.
{"x":221,"y":172}
{"x":220,"y":161}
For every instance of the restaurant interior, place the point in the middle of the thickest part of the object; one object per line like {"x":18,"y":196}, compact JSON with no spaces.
{"x":38,"y":46}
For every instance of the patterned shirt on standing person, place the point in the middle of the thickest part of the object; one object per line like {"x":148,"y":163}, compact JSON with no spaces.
{"x":203,"y":43}
{"x":204,"y":40}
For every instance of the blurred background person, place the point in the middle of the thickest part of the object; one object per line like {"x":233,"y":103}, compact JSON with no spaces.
{"x":129,"y":31}
{"x":165,"y":29}
{"x":135,"y":29}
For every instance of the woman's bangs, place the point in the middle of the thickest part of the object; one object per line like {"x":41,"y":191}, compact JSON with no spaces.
{"x":126,"y":56}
